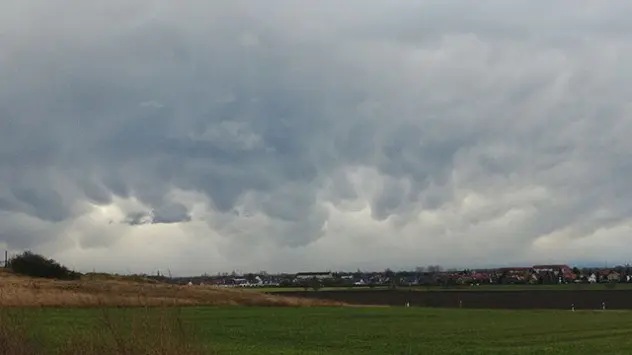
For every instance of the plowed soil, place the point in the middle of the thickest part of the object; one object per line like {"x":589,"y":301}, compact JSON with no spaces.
{"x":530,"y":299}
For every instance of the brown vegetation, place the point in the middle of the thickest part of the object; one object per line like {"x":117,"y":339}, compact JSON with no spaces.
{"x":19,"y":291}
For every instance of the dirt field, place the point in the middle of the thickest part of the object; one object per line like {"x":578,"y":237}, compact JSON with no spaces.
{"x":544,"y":299}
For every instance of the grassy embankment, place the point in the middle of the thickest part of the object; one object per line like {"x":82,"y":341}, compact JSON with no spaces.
{"x":19,"y":291}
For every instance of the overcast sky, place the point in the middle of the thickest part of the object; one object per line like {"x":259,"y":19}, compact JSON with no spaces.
{"x":284,"y":135}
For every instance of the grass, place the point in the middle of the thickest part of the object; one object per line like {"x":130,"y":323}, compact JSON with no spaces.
{"x":110,"y":332}
{"x":116,"y":316}
{"x":329,"y":330}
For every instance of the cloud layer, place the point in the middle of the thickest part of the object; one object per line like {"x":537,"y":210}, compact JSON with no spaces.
{"x":199,"y":137}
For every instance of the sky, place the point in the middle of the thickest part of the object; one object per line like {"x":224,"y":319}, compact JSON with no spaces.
{"x":210,"y":136}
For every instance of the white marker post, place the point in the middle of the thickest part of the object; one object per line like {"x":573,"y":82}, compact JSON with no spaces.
{"x":573,"y":307}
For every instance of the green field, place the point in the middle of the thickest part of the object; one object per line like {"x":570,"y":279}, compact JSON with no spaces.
{"x":243,"y":331}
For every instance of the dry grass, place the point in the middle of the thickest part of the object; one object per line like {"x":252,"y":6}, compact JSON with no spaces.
{"x":18,"y":291}
{"x":101,"y":276}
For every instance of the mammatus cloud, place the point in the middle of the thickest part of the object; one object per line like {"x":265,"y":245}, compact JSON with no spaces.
{"x":143,"y":135}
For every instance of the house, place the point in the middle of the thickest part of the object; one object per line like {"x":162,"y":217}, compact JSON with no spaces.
{"x":515,"y":270}
{"x":603,"y":275}
{"x":514,"y":275}
{"x":569,"y":276}
{"x":614,"y":277}
{"x":480,"y":277}
{"x":316,"y":275}
{"x":555,"y":269}
{"x":409,"y":280}
{"x":560,"y":273}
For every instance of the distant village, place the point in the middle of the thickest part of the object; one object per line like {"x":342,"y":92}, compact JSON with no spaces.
{"x":421,"y":276}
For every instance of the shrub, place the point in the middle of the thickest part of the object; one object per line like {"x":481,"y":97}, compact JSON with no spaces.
{"x":315,"y":284}
{"x":31,"y":264}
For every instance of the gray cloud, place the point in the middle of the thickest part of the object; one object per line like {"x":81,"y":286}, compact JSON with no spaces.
{"x":170,"y":213}
{"x":290,"y":136}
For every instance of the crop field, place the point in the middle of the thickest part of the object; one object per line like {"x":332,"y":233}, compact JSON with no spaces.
{"x":348,"y":330}
{"x":498,"y":288}
{"x":508,"y":299}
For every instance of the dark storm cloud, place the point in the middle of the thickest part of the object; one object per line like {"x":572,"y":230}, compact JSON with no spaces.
{"x":137,"y":218}
{"x":165,"y":213}
{"x":267,"y":108}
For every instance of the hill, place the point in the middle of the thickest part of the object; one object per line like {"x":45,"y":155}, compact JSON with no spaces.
{"x":20,"y":291}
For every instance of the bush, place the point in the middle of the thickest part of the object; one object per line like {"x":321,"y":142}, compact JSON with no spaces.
{"x":315,"y":284}
{"x":35,"y":265}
